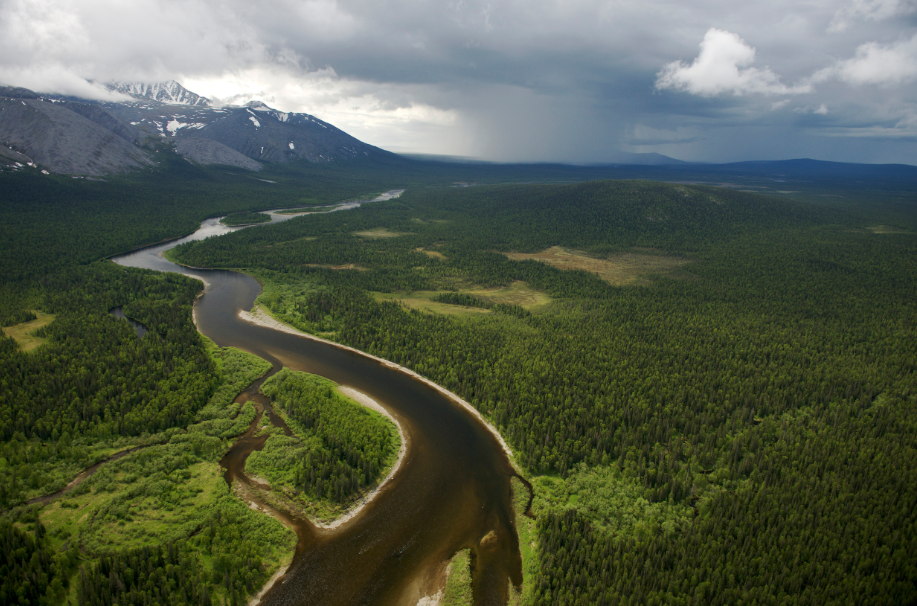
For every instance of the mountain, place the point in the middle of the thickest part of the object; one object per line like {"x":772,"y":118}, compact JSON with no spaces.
{"x":84,"y":137}
{"x":254,"y":130}
{"x":169,"y":93}
{"x":54,"y":137}
{"x":269,"y":135}
{"x":208,"y":151}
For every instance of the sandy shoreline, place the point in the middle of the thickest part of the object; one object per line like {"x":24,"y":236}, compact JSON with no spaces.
{"x":261,"y":317}
{"x":267,"y":586}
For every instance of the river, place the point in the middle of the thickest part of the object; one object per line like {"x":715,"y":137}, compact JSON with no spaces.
{"x":452,"y":489}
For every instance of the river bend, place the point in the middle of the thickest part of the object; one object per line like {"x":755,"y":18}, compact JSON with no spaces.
{"x":452,"y":489}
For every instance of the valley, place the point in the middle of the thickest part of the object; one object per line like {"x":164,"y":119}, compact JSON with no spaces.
{"x":709,"y":391}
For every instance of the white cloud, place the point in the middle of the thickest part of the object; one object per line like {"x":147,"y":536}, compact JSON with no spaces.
{"x":722,"y":67}
{"x":387,"y":115}
{"x":779,"y":104}
{"x":869,"y":10}
{"x":874,"y":63}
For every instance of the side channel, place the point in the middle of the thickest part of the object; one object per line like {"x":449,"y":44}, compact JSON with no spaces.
{"x":451,"y":491}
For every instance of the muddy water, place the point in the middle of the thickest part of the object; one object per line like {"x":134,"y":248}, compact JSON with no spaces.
{"x":452,"y":489}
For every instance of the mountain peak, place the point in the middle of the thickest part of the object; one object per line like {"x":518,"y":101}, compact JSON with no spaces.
{"x":170,"y":92}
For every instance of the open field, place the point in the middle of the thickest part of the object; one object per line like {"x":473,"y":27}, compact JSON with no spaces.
{"x":430,"y":253}
{"x":23,"y":332}
{"x":420,"y":300}
{"x":380,"y":232}
{"x":886,"y":229}
{"x":517,"y":293}
{"x":620,"y":269}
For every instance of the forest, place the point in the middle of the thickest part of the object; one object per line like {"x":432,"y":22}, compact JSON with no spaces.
{"x":749,"y":417}
{"x":245,"y":219}
{"x":713,"y":398}
{"x":337,"y":450}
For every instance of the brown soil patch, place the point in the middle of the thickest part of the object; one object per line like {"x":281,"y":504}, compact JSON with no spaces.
{"x":620,"y":269}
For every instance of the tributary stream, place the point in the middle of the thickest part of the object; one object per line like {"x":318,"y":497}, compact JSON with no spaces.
{"x":452,"y":489}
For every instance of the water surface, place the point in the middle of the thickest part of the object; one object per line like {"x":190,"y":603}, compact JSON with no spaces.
{"x":452,"y":489}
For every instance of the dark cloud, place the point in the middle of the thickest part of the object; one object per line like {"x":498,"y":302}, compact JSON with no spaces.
{"x":536,"y":80}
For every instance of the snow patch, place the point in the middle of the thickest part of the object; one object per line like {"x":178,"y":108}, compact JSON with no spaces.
{"x":174,"y":125}
{"x":255,"y":120}
{"x":292,"y":146}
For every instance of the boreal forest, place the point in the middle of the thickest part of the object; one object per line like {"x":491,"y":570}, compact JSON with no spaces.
{"x":711,"y":393}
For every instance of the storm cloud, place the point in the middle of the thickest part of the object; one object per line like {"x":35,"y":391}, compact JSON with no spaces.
{"x":575,"y":81}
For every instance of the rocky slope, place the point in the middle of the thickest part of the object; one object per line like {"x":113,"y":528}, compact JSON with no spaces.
{"x":82,"y":137}
{"x":169,"y":93}
{"x":58,"y":139}
{"x":208,"y":151}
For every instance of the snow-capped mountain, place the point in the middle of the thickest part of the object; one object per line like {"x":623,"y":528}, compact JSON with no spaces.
{"x":170,"y":93}
{"x":79,"y":136}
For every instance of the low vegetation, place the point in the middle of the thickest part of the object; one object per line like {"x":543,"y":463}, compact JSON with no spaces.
{"x":117,"y":535}
{"x":380,"y":232}
{"x":24,"y":332}
{"x":458,"y":590}
{"x":620,"y":269}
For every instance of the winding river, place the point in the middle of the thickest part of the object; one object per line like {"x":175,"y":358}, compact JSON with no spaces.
{"x":452,"y":489}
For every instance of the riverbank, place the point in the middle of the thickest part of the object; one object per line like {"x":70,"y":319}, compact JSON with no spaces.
{"x":261,"y":317}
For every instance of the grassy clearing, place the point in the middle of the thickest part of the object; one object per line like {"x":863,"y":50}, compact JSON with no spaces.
{"x":22,"y":333}
{"x":886,"y":229}
{"x":431,"y":253}
{"x":517,"y":293}
{"x":623,"y":269}
{"x":458,"y":590}
{"x":380,"y":232}
{"x":526,"y":531}
{"x":346,"y":266}
{"x":420,"y":300}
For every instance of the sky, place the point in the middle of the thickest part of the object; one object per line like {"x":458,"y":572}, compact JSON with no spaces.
{"x":575,"y":81}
